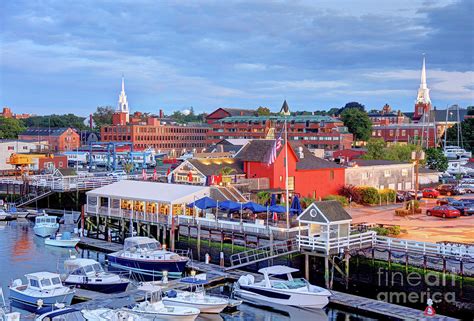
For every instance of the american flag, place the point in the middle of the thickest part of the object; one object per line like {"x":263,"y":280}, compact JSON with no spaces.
{"x":274,"y":152}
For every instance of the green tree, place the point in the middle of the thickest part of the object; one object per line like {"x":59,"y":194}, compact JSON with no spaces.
{"x":436,"y":160}
{"x":263,"y":197}
{"x":56,"y":121}
{"x":226,"y":171}
{"x":467,"y":134}
{"x":103,"y":116}
{"x":358,"y":123}
{"x":375,"y":149}
{"x":10,"y":128}
{"x":263,"y":111}
{"x":351,"y":105}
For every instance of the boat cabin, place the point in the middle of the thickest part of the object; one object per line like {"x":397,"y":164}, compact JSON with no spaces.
{"x":44,"y":281}
{"x":84,"y":267}
{"x":45,"y":219}
{"x":141,"y":243}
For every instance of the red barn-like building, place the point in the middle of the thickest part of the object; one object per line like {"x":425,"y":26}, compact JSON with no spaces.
{"x":309,"y":176}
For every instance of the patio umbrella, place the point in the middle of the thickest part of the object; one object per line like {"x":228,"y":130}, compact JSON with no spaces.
{"x":204,"y":203}
{"x":273,"y":203}
{"x":296,"y":206}
{"x":254,"y":207}
{"x":277,"y":209}
{"x":229,"y":206}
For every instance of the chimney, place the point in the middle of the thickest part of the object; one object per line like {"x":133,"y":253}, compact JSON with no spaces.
{"x":300,"y":151}
{"x":90,"y":121}
{"x":161,"y":113}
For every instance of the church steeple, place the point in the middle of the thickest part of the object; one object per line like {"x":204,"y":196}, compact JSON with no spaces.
{"x":423,"y":101}
{"x":123,"y":102}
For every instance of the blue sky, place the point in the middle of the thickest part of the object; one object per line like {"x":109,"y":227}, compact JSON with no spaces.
{"x":68,"y":56}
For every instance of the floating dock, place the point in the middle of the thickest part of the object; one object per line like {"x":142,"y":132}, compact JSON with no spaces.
{"x":217,"y":275}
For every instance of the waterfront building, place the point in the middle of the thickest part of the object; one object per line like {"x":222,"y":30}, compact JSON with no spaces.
{"x":14,"y":146}
{"x":380,"y":174}
{"x":59,"y":139}
{"x":314,"y":131}
{"x":308,"y":175}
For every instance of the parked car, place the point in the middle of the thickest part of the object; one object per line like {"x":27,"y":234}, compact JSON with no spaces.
{"x":469,"y":187}
{"x":118,"y":174}
{"x":444,"y":211}
{"x":466,"y":200}
{"x":449,"y":189}
{"x":419,"y":194}
{"x":404,"y":196}
{"x":465,"y":208}
{"x":445,"y":201}
{"x":430,"y":193}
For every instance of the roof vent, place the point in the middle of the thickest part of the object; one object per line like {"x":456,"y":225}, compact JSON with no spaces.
{"x":300,"y":152}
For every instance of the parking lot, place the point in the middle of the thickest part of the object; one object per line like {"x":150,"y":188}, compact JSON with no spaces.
{"x":419,"y":227}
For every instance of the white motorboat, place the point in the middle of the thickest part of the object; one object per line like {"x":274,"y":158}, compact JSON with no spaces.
{"x":105,"y":314}
{"x":88,"y":274}
{"x":291,"y":292}
{"x":62,"y":240}
{"x":44,"y":290}
{"x":4,"y":216}
{"x":196,"y":298}
{"x":46,"y":225}
{"x":456,"y":152}
{"x":154,"y":309}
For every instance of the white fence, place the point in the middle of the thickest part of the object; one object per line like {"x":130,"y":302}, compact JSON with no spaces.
{"x":317,"y":243}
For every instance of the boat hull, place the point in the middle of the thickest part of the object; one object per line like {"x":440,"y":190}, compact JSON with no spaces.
{"x":29,"y":303}
{"x":101,"y":287}
{"x":45,"y":231}
{"x":204,"y":308}
{"x":163,"y":316}
{"x":269,"y":297}
{"x":148,"y":269}
{"x":62,"y":243}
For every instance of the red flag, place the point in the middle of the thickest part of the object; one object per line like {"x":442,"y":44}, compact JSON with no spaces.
{"x":190,"y":177}
{"x":155,"y":175}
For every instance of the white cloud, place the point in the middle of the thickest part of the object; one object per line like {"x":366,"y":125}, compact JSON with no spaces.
{"x":304,"y":84}
{"x":250,"y":67}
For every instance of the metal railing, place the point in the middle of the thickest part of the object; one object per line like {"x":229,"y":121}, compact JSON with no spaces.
{"x":319,"y":243}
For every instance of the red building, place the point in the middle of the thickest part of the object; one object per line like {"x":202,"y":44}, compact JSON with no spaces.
{"x":7,"y":113}
{"x":314,"y":131}
{"x":308,"y":175}
{"x":152,"y":132}
{"x":56,"y":161}
{"x":386,"y":117}
{"x":59,"y":139}
{"x":408,"y":133}
{"x":220,"y":113}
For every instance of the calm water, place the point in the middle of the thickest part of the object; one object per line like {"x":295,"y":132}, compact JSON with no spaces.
{"x":22,"y":252}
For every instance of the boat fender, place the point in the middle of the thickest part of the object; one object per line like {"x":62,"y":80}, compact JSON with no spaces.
{"x":243,"y":280}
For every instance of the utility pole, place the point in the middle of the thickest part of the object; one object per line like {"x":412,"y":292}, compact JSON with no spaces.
{"x":417,"y":156}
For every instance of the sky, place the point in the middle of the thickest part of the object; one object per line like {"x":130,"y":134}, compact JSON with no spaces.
{"x":69,"y":56}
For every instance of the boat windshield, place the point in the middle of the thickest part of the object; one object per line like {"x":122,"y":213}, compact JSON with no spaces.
{"x":45,"y":282}
{"x":148,"y":245}
{"x":97,"y":267}
{"x":56,"y":281}
{"x":88,"y":268}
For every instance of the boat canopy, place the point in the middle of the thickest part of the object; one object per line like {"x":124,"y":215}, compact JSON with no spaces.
{"x":45,"y":219}
{"x":277,"y":270}
{"x":141,"y":242}
{"x":194,"y":281}
{"x":44,"y":280}
{"x":74,"y":264}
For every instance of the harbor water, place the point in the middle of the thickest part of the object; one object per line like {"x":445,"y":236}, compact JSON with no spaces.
{"x":22,"y":252}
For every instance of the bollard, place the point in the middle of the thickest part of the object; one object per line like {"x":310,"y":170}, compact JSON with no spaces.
{"x":206,"y":258}
{"x":221,"y":259}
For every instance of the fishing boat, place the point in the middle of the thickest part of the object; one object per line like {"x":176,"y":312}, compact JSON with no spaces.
{"x":145,"y":256}
{"x":196,"y":298}
{"x":43,"y":290}
{"x":88,"y":274}
{"x":45,"y":225}
{"x":290,"y":292}
{"x":154,"y":309}
{"x":62,"y":240}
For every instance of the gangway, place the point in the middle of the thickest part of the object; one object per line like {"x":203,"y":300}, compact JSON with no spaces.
{"x":30,"y":198}
{"x":262,"y":253}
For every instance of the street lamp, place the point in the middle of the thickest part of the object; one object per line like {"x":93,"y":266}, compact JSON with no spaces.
{"x":417,"y":156}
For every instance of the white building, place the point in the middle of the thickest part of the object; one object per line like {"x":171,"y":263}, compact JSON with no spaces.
{"x":123,"y":102}
{"x":8,"y":147}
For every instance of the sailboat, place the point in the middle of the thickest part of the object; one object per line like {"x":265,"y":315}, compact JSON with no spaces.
{"x":456,"y":152}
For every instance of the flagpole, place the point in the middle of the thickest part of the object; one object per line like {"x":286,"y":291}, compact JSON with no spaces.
{"x":286,"y":177}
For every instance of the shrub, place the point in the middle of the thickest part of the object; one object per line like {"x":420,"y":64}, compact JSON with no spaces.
{"x":388,"y":195}
{"x":394,"y":230}
{"x":413,"y":204}
{"x":351,"y":192}
{"x":382,"y":231}
{"x":339,"y":198}
{"x":307,"y":201}
{"x":386,"y":231}
{"x":369,"y":195}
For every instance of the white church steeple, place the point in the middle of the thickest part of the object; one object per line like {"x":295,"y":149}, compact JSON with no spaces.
{"x":122,"y":102}
{"x":423,"y":92}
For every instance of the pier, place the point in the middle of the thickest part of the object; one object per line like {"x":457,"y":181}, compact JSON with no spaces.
{"x":217,"y":275}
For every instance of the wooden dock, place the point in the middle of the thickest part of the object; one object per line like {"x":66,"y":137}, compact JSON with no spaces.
{"x":217,"y":275}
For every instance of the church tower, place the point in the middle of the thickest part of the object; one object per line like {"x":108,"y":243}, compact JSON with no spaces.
{"x":122,"y":102}
{"x":423,"y":101}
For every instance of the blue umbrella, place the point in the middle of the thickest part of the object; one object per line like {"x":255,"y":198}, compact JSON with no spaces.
{"x":229,"y":206}
{"x":296,"y":205}
{"x":204,"y":203}
{"x":254,"y":207}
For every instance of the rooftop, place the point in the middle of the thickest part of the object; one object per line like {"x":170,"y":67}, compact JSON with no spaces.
{"x":213,"y":166}
{"x":41,"y":131}
{"x":291,"y":118}
{"x":376,"y":162}
{"x":324,"y":212}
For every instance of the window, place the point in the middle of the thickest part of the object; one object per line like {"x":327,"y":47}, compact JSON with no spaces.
{"x":405,"y":172}
{"x":391,"y":132}
{"x":56,"y":281}
{"x":34,"y":283}
{"x":331,"y":175}
{"x":404,"y":132}
{"x":387,"y":173}
{"x":11,"y":147}
{"x":45,"y":282}
{"x":365,"y":175}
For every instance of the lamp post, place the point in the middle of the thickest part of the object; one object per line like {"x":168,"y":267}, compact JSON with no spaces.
{"x":417,"y":156}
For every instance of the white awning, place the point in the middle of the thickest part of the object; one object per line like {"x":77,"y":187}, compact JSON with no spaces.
{"x":277,"y":270}
{"x":151,"y":192}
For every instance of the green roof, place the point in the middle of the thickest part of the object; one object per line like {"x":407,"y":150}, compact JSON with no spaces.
{"x":295,"y":118}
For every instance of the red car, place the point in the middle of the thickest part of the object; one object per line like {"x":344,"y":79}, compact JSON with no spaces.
{"x":443,"y":211}
{"x":430,"y":193}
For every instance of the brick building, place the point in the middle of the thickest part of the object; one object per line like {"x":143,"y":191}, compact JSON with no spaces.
{"x":59,"y":139}
{"x":313,"y":131}
{"x":7,"y":113}
{"x":308,"y":175}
